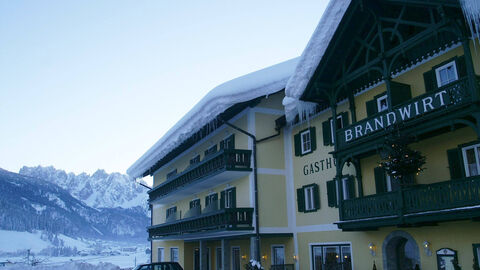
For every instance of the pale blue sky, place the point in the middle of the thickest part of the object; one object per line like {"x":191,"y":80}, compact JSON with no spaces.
{"x":93,"y":84}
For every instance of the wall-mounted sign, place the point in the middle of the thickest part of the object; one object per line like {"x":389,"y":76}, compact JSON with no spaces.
{"x":319,"y":166}
{"x":419,"y":106}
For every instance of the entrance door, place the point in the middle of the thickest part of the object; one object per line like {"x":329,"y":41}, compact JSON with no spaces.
{"x":278,"y":256}
{"x":196,"y":259}
{"x":236,"y":258}
{"x":401,"y":252}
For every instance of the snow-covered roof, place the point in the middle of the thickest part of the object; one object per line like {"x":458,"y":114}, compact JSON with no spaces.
{"x":260,"y":83}
{"x":311,"y":57}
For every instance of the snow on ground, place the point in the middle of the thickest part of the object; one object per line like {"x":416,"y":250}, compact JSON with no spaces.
{"x":11,"y":241}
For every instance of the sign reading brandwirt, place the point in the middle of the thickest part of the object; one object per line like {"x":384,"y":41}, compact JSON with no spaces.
{"x":411,"y":110}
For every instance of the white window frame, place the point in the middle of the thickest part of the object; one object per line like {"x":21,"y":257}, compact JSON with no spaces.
{"x":308,"y":192}
{"x":227,"y":200}
{"x":160,"y":255}
{"x":465,"y":162}
{"x":178,"y":254}
{"x":306,"y":142}
{"x":273,"y":247}
{"x":321,"y":245}
{"x":439,"y":69}
{"x":379,"y":103}
{"x":331,"y":126}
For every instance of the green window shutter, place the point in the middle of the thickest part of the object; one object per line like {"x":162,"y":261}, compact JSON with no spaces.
{"x":234,"y":198}
{"x":327,"y":133}
{"x":371,"y":107}
{"x":430,"y":80}
{"x":301,"y":200}
{"x":455,"y":163}
{"x":332,"y":193}
{"x":231,"y":142}
{"x":461,"y":67}
{"x":400,"y":93}
{"x":313,"y":138}
{"x":316,"y":196}
{"x":345,"y":121}
{"x":380,"y":180}
{"x":222,"y":200}
{"x":298,"y":146}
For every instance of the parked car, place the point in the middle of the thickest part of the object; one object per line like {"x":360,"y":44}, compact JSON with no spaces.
{"x":159,"y":266}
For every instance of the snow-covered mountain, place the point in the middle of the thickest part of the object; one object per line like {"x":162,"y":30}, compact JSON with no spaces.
{"x":31,"y":203}
{"x":99,"y":190}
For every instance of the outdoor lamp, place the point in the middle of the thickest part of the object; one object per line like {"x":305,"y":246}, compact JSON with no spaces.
{"x":372,"y":248}
{"x":244,"y":257}
{"x":426,"y":248}
{"x":295,"y":258}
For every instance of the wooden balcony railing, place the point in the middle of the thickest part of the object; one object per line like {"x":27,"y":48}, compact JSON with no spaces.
{"x":430,"y":105}
{"x":224,"y":160}
{"x":409,"y":204}
{"x":224,"y":219}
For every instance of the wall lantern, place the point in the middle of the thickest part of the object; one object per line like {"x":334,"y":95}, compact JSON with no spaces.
{"x":426,"y":248}
{"x":295,"y":258}
{"x":372,"y":248}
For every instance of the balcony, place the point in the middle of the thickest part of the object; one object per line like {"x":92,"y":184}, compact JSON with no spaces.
{"x":414,"y":206}
{"x":421,"y":114}
{"x":229,"y":219}
{"x":221,"y":167}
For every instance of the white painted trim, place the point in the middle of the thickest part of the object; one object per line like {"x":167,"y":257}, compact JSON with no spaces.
{"x":268,"y":111}
{"x":317,"y":228}
{"x":251,"y":130}
{"x":270,"y":171}
{"x":221,"y":128}
{"x":275,"y":230}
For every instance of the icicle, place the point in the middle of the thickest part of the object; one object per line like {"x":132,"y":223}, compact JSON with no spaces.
{"x":471,"y":11}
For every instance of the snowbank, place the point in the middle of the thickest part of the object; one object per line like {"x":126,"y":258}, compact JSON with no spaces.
{"x":248,"y":87}
{"x":11,"y":241}
{"x":311,"y":57}
{"x":69,"y":266}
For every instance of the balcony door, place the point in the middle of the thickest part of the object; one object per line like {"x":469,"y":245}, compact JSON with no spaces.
{"x":278,"y":255}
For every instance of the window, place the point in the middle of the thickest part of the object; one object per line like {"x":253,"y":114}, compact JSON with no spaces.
{"x":171,"y":174}
{"x":195,"y":160}
{"x":196,"y":259}
{"x":446,"y":74}
{"x":446,"y":259}
{"x":161,"y":254}
{"x":308,"y":198}
{"x":218,"y":257}
{"x":331,"y":257}
{"x":309,"y":203}
{"x":174,"y":254}
{"x":471,"y":160}
{"x":476,"y":254}
{"x":211,"y":150}
{"x":195,"y":203}
{"x":278,"y":255}
{"x":382,"y":103}
{"x":306,"y":142}
{"x":212,"y":198}
{"x":171,"y":212}
{"x":339,"y":126}
{"x":347,"y":192}
{"x":236,"y":258}
{"x":228,"y":143}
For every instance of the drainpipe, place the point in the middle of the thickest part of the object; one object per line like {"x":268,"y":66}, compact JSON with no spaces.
{"x":255,"y":181}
